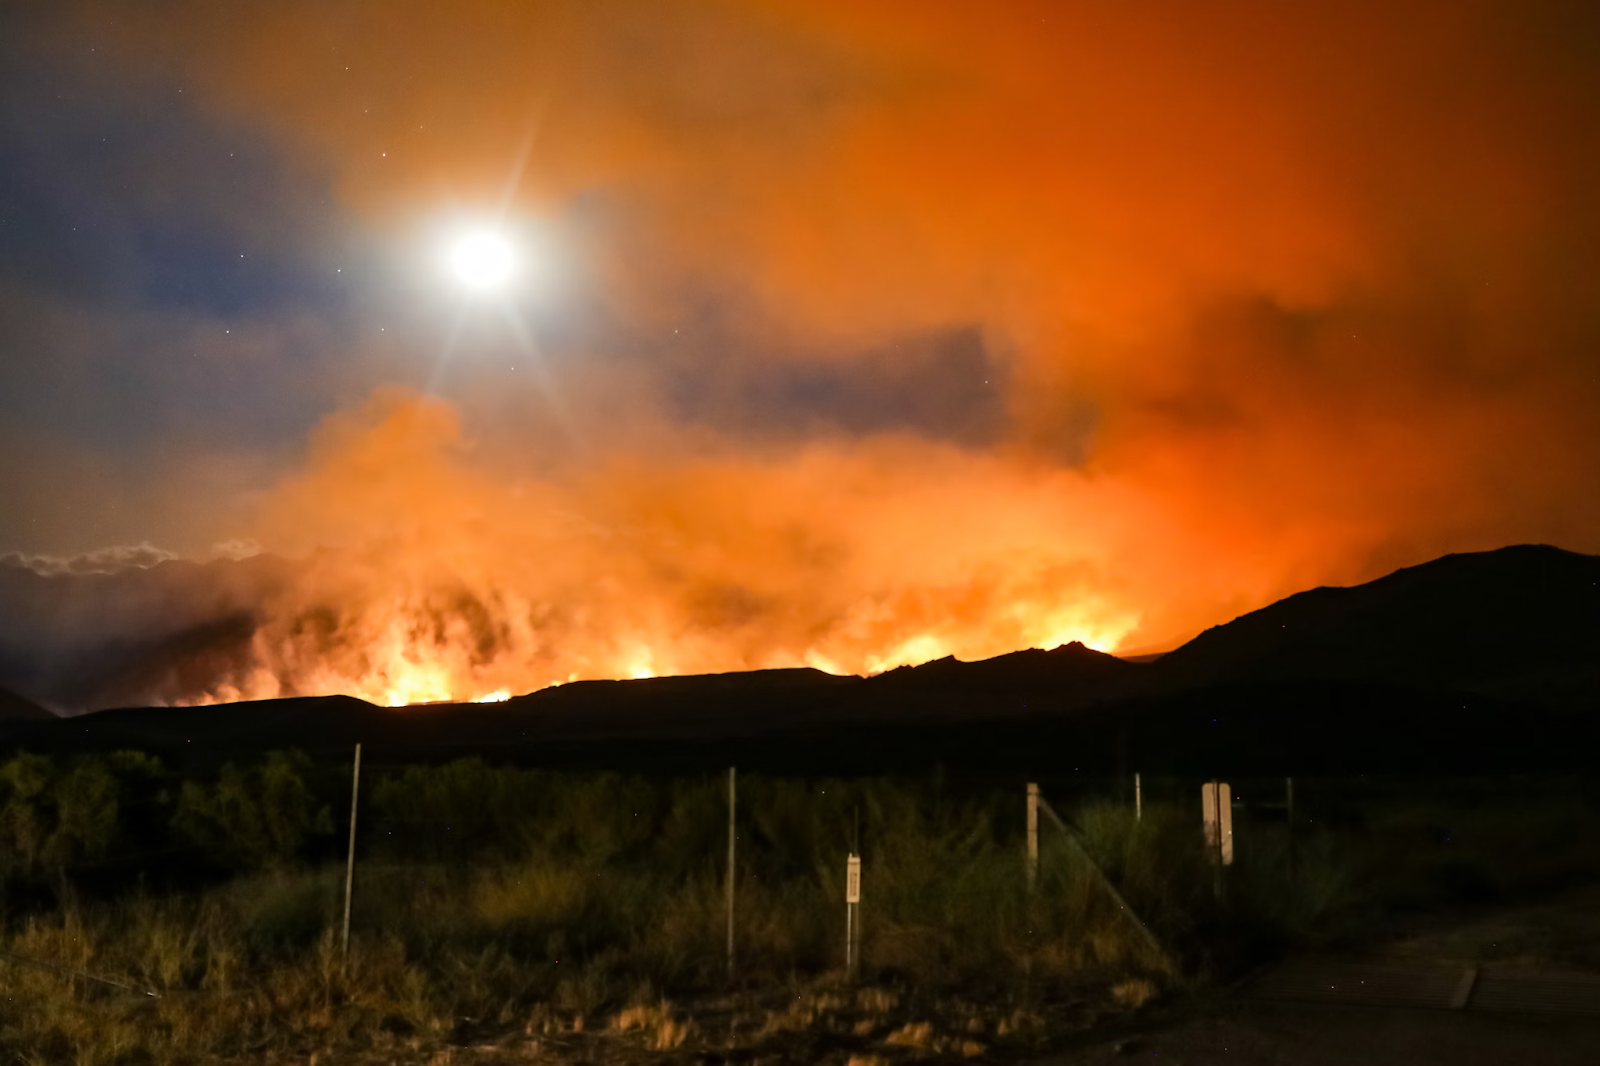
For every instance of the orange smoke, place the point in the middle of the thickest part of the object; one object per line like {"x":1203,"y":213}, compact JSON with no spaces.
{"x":1283,"y":296}
{"x":448,"y":579}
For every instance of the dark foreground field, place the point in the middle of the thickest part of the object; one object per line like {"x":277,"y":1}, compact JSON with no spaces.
{"x":547,"y":877}
{"x":511,"y":913}
{"x":1247,"y":1033}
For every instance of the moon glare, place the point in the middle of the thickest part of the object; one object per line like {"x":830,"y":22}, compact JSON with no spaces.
{"x":482,"y":261}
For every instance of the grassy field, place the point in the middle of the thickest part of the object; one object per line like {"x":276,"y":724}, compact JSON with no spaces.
{"x":154,"y":919}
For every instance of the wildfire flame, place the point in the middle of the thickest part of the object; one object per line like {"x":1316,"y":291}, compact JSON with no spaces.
{"x":455,"y":583}
{"x":417,"y":663}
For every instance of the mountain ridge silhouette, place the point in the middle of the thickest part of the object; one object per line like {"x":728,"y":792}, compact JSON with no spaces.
{"x":1459,"y":648}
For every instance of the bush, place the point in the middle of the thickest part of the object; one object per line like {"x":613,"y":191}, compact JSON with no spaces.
{"x":53,"y":818}
{"x":282,"y":913}
{"x":24,"y":813}
{"x":86,"y":814}
{"x":248,"y":819}
{"x":470,"y":810}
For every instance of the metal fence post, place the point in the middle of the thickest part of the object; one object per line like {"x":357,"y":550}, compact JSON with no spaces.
{"x":350,"y":862}
{"x":1288,"y":788}
{"x":733,"y":800}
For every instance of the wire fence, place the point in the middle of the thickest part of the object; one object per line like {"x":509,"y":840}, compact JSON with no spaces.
{"x":721,"y":875}
{"x":789,"y":844}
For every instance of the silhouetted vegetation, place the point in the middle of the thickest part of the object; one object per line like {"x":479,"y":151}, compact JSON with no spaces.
{"x":258,"y":816}
{"x":495,"y":900}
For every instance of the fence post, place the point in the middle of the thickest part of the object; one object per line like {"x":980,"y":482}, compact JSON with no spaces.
{"x":350,"y":862}
{"x":1138,"y":798}
{"x":1033,"y":834}
{"x":1217,"y":817}
{"x":1288,"y":787}
{"x":733,"y":799}
{"x":852,"y":916}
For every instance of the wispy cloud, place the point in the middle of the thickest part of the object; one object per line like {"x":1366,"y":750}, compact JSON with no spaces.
{"x":100,"y":561}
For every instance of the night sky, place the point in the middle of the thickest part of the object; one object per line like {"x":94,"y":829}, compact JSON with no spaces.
{"x":843,"y":334}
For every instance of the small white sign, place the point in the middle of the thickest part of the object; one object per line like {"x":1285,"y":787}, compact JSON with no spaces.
{"x":1216,"y":803}
{"x":852,"y":880}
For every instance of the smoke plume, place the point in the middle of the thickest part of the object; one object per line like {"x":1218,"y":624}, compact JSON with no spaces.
{"x":891,"y":331}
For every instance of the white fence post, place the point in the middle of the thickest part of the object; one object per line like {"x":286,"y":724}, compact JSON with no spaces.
{"x":1216,"y":812}
{"x":1216,"y":804}
{"x":1033,"y":834}
{"x":852,"y":917}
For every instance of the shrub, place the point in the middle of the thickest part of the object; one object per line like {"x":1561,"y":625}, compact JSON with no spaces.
{"x":284,"y":912}
{"x":86,"y":814}
{"x":24,"y":820}
{"x":247,"y":819}
{"x":469,"y":810}
{"x":52,"y":819}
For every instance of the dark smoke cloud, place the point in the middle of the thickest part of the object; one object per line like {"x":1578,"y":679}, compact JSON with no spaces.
{"x":87,"y":640}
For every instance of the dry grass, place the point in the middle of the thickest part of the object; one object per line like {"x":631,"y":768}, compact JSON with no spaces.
{"x":572,"y":929}
{"x":242,"y":972}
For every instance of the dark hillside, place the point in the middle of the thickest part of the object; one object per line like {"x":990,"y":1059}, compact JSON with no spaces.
{"x":1471,"y":662}
{"x":1520,"y":623}
{"x":1027,"y":682}
{"x":18,"y":708}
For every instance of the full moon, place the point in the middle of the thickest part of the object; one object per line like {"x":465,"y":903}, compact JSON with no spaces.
{"x":482,"y":261}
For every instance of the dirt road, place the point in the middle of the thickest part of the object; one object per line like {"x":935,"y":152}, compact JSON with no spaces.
{"x":1254,"y":1033}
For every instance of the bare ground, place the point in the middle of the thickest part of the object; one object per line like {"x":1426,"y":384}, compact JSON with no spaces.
{"x":1249,"y":1033}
